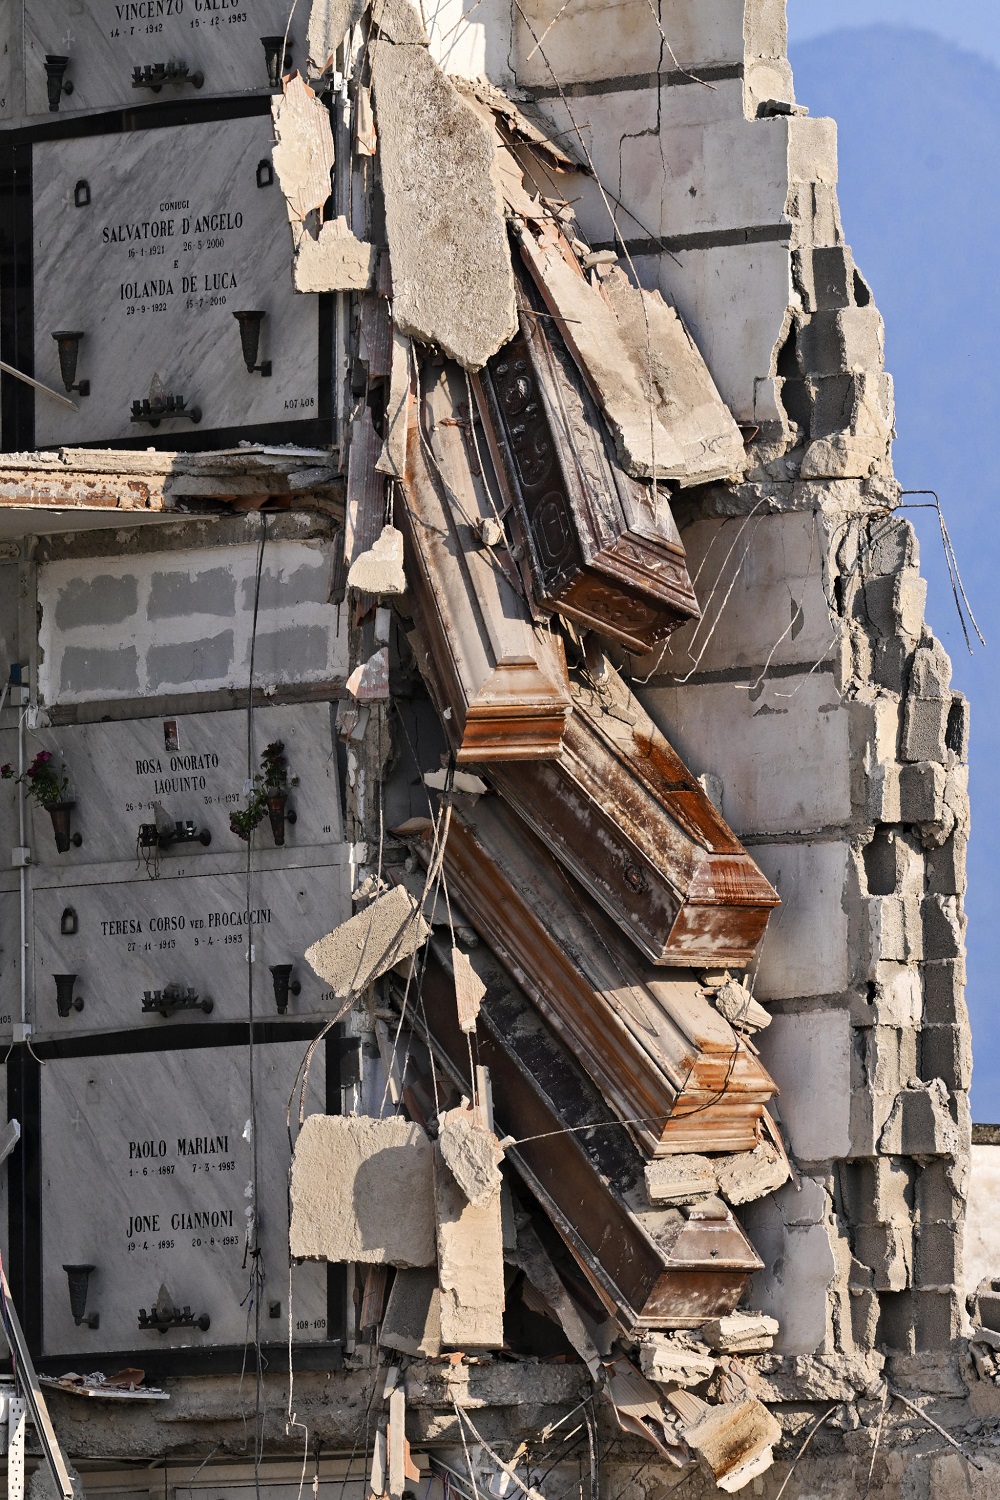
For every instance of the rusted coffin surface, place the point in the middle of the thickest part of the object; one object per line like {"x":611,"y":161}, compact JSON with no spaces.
{"x":666,"y":1062}
{"x":651,"y":1268}
{"x":625,"y":815}
{"x":603,"y":547}
{"x":499,"y":681}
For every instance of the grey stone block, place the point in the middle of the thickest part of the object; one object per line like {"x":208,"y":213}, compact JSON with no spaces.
{"x":887,"y":1249}
{"x":104,"y":600}
{"x":944,"y":992}
{"x":212,"y":592}
{"x":890,"y":547}
{"x":946,"y":867}
{"x":937,"y":1255}
{"x":920,"y":1123}
{"x":943,"y":927}
{"x":925,"y":725}
{"x":891,"y":663}
{"x":293,"y":652}
{"x":937,"y":1319}
{"x":209,"y":659}
{"x":921,"y":794}
{"x":946,"y":1053}
{"x":833,"y":276}
{"x":878,"y":1191}
{"x":831,"y":405}
{"x":86,"y":669}
{"x":939,"y":1198}
{"x":850,"y":339}
{"x":894,"y":604}
{"x":931,"y":677}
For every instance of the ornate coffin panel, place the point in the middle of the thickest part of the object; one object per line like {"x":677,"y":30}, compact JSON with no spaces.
{"x":652,"y":1268}
{"x":666,"y":1062}
{"x":499,"y":682}
{"x":204,"y":47}
{"x":603,"y":547}
{"x":141,"y":261}
{"x":147,"y":1176}
{"x":634,"y":826}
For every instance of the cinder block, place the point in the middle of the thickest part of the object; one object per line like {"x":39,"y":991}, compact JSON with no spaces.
{"x":887,"y":1249}
{"x":894,"y":864}
{"x":891,"y":664}
{"x":931,"y":674}
{"x":894,"y":604}
{"x":878,"y":1191}
{"x":891,"y":545}
{"x":896,"y":1332}
{"x":946,"y":867}
{"x":939,"y":1198}
{"x":944,"y":992}
{"x":920,"y":1123}
{"x":210,"y":591}
{"x":894,"y":928}
{"x":898,"y":998}
{"x":104,"y":600}
{"x":833,"y":276}
{"x":921,"y":794}
{"x":848,"y":340}
{"x":937,"y":1319}
{"x":812,"y":150}
{"x":937,"y":1258}
{"x":832,"y":403}
{"x":891,"y":1057}
{"x":958,"y":726}
{"x":946,"y":1053}
{"x":86,"y":669}
{"x":925,"y":725}
{"x":943,"y":926}
{"x":181,"y":663}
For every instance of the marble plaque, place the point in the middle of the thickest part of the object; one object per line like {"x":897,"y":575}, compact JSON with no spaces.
{"x":106,"y":40}
{"x":147,"y":1175}
{"x":195,"y":767}
{"x":194,"y":935}
{"x":146,"y":243}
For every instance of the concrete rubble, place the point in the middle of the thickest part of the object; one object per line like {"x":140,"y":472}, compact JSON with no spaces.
{"x":384,"y":933}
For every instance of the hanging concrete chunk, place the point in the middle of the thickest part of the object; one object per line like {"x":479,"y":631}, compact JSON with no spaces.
{"x":675,"y":377}
{"x":412,"y":1322}
{"x":469,"y":988}
{"x":303,"y":150}
{"x":734,"y":1001}
{"x":752,"y":1175}
{"x":733,"y":1441}
{"x":336,"y":261}
{"x":351,"y":1177}
{"x":451,"y":274}
{"x":470,"y":1264}
{"x":680,"y":1179}
{"x":392,"y":459}
{"x":369,"y":943}
{"x":329,"y":21}
{"x":471,"y":1154}
{"x":637,"y":381}
{"x":380,"y":569}
{"x":369,"y":682}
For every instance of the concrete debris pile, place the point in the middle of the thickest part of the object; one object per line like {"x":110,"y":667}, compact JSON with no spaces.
{"x":983,"y":1307}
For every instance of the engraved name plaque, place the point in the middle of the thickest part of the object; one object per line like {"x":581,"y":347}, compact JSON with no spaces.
{"x":150,"y":1178}
{"x":128,"y":52}
{"x":145,"y":244}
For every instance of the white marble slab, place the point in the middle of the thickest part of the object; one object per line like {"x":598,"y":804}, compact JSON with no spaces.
{"x":175,"y":237}
{"x":145,"y":935}
{"x":106,"y":39}
{"x":134,"y":1148}
{"x":119,"y":770}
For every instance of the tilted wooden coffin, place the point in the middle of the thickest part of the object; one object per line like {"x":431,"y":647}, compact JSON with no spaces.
{"x":603,"y":547}
{"x":664,"y":1059}
{"x":499,"y":681}
{"x":650,"y":1267}
{"x":626,"y":816}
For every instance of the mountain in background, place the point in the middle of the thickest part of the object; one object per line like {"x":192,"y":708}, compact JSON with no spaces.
{"x":919,"y":136}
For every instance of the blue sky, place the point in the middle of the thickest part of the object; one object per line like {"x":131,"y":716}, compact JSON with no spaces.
{"x":974,"y":24}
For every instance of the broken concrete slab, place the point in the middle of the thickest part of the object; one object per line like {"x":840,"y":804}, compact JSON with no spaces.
{"x":369,"y":943}
{"x":668,"y":1362}
{"x":675,"y":377}
{"x":369,"y":682}
{"x":336,"y":261}
{"x":741,"y":1333}
{"x":392,"y":459}
{"x":470,"y":1264}
{"x":752,"y":1174}
{"x":470,"y":1152}
{"x":351,"y":1175}
{"x":733,"y":1441}
{"x":329,"y":22}
{"x":734,"y":1001}
{"x":680,"y":1179}
{"x":412,"y":1321}
{"x":453,"y":285}
{"x":920,"y":1123}
{"x":470,"y":991}
{"x":399,"y":22}
{"x":379,"y":570}
{"x":303,"y":150}
{"x":531,"y":1257}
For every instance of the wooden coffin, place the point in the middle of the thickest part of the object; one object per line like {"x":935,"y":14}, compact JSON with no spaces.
{"x":499,"y":682}
{"x":625,"y":815}
{"x":603,"y":548}
{"x":664,"y":1059}
{"x":650,"y":1267}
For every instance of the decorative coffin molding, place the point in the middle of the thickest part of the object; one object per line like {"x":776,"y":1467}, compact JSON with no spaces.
{"x":499,"y":681}
{"x":665,"y":1060}
{"x":650,"y":1267}
{"x":603,"y":548}
{"x":621,"y":811}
